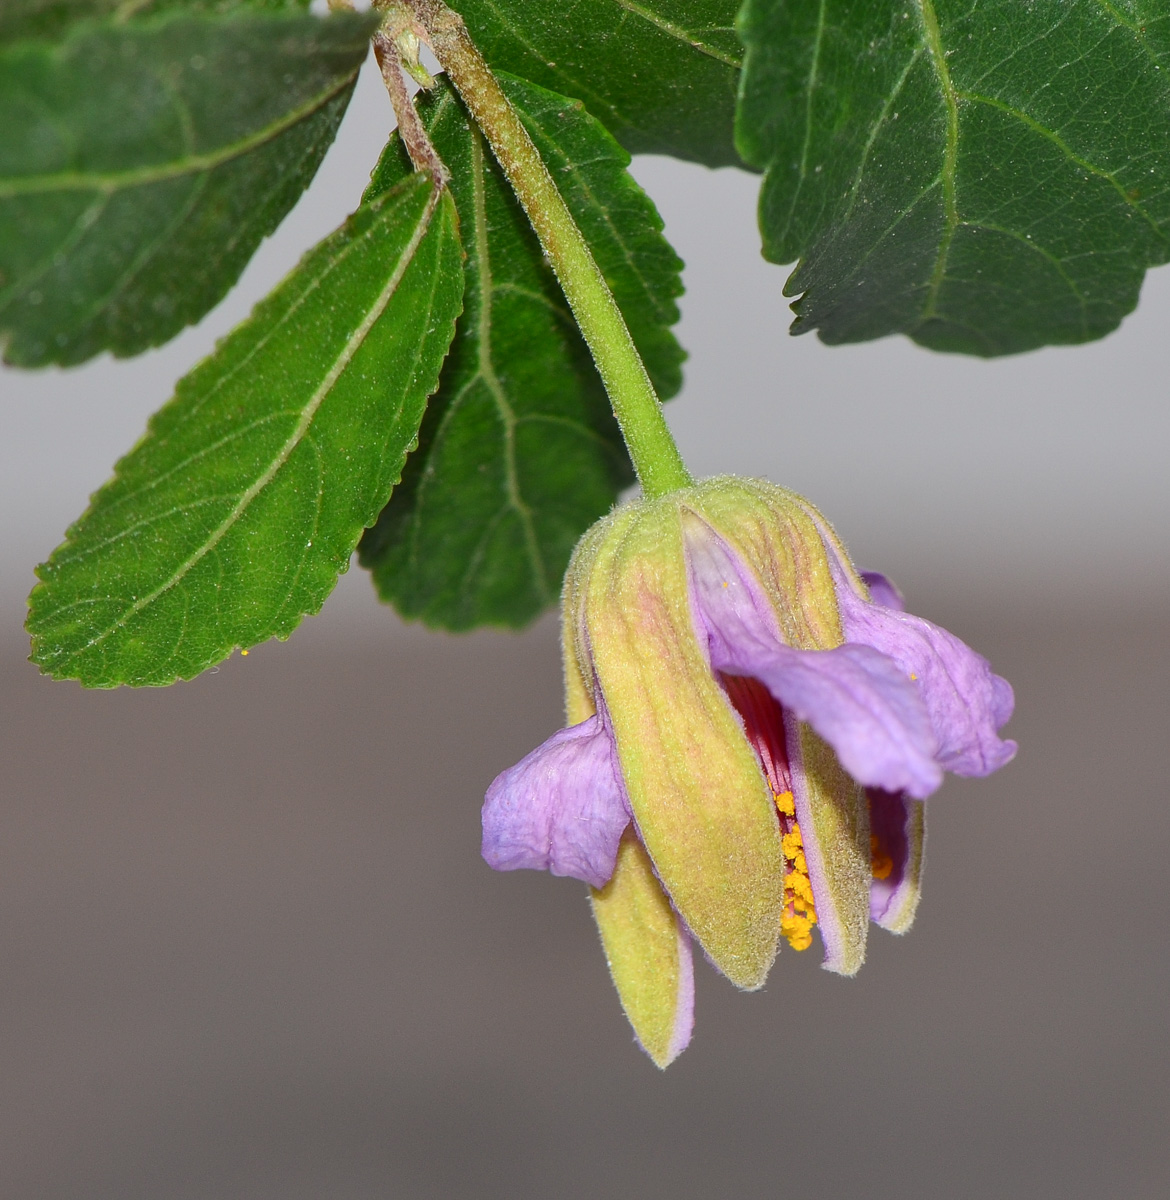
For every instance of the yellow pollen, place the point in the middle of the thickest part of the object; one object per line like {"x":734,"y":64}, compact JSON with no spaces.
{"x":912,"y":675}
{"x":881,"y":863}
{"x":800,"y":913}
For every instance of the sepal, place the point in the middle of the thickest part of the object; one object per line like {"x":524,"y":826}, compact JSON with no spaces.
{"x":834,"y":820}
{"x":699,"y":799}
{"x":649,"y":955}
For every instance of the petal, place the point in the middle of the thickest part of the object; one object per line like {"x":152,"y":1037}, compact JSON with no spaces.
{"x":560,"y":809}
{"x":898,"y":827}
{"x":966,"y":702}
{"x":883,"y":590}
{"x":855,"y":698}
{"x":649,"y":954}
{"x":834,"y":825}
{"x":862,"y":706}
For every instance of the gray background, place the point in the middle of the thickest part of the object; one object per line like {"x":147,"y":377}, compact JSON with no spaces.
{"x":249,"y":949}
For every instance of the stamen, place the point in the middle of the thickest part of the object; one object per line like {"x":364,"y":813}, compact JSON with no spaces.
{"x":763,"y":720}
{"x":881,"y":864}
{"x":800,"y":910}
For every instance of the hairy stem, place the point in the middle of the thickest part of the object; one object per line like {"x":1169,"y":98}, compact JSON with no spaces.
{"x":422,"y":153}
{"x":652,"y":449}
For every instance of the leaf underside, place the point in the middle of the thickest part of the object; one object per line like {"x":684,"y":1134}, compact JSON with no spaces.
{"x":519,"y":453}
{"x":239,"y":508}
{"x":986,"y":176}
{"x":142,"y":163}
{"x":661,"y":75}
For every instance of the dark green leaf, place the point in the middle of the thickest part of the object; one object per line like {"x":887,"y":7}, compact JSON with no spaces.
{"x":519,"y":453}
{"x":140,"y":166}
{"x":660,"y":74}
{"x":234,"y":515}
{"x":48,"y":19}
{"x":986,"y":176}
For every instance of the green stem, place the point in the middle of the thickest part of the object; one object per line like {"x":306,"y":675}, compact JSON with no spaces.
{"x":652,"y":449}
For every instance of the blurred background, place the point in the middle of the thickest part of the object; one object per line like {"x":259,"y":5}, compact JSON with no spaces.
{"x":250,"y":950}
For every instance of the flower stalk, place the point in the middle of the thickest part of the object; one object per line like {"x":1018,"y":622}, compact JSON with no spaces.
{"x":635,"y":404}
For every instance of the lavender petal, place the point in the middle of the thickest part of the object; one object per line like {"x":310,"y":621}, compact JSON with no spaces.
{"x":560,"y":809}
{"x":854,"y":697}
{"x":883,"y":590}
{"x":898,"y":826}
{"x":966,"y":702}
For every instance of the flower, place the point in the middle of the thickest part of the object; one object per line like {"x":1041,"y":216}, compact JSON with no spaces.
{"x":753,"y":726}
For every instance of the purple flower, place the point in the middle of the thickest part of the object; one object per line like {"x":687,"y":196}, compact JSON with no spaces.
{"x":753,"y":727}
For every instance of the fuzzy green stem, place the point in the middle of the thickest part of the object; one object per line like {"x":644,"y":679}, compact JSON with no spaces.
{"x":652,"y":449}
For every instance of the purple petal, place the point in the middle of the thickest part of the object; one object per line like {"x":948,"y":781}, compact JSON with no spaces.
{"x":560,"y":809}
{"x":855,"y":698}
{"x":883,"y":590}
{"x":862,"y":705}
{"x":967,"y":703}
{"x":897,"y":826}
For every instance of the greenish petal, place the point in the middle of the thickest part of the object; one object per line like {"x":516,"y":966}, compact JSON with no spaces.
{"x":648,"y":953}
{"x":834,"y":820}
{"x":699,"y":798}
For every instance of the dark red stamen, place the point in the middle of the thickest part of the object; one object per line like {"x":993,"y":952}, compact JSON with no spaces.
{"x":763,"y":720}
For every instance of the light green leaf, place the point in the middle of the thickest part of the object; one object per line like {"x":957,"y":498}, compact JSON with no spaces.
{"x":239,"y":508}
{"x":142,"y":163}
{"x":519,"y":453}
{"x":661,"y":75}
{"x":985,"y":176}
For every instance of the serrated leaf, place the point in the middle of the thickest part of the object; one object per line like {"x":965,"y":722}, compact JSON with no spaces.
{"x":661,"y":75}
{"x":234,"y":515}
{"x":986,"y":176}
{"x":142,"y":163}
{"x":519,"y":453}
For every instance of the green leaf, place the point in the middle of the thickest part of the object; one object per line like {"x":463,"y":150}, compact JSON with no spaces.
{"x":519,"y":453}
{"x":48,"y":19}
{"x":985,"y":177}
{"x":239,"y":508}
{"x":661,"y":75}
{"x":141,"y":165}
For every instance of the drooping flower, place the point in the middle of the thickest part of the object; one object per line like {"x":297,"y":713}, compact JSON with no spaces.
{"x":753,"y":726}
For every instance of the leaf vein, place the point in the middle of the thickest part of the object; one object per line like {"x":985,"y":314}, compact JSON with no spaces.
{"x":309,"y":410}
{"x":1059,"y":142}
{"x":950,"y":149}
{"x":677,"y":31}
{"x":112,"y":181}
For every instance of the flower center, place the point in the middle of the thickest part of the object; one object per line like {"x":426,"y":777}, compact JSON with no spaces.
{"x":763,"y":720}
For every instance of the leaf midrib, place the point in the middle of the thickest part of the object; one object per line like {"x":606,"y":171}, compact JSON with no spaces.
{"x":114,"y":181}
